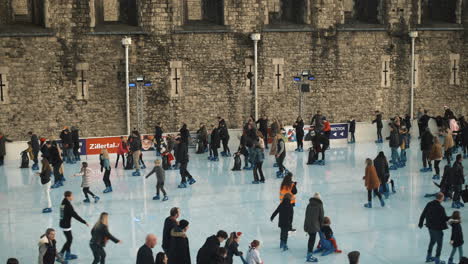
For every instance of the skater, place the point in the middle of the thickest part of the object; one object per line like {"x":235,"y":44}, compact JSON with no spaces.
{"x":448,"y":144}
{"x":184,"y":135}
{"x":158,"y":138}
{"x":426,"y":147}
{"x":3,"y":139}
{"x":207,"y":253}
{"x":288,"y":186}
{"x":48,"y":253}
{"x":456,"y":240}
{"x":121,"y":151}
{"x":312,"y":224}
{"x":35,"y":150}
{"x":167,"y":159}
{"x":394,"y":144}
{"x":215,"y":142}
{"x":328,"y":233}
{"x":56,"y":162}
{"x":161,"y":258}
{"x":67,"y":144}
{"x":299,"y":127}
{"x":45,"y":181}
{"x":317,"y":122}
{"x":145,"y":253}
{"x":85,"y":173}
{"x":105,"y":165}
{"x":99,"y":237}
{"x":169,"y":224}
{"x":135,"y":149}
{"x":423,"y":122}
{"x":320,"y":143}
{"x":232,"y":245}
{"x":140,"y":160}
{"x":456,"y":181}
{"x":202,"y":137}
{"x":67,"y":212}
{"x":280,"y":156}
{"x":372,"y":183}
{"x":383,"y":172}
{"x":326,"y":128}
{"x":224,"y":136}
{"x":352,"y":130}
{"x":253,"y":255}
{"x":257,"y":158}
{"x":182,"y":159}
{"x":263,"y":128}
{"x":179,"y":251}
{"x":378,"y":122}
{"x":436,"y":156}
{"x":286,"y":213}
{"x":24,"y":156}
{"x":436,"y":222}
{"x":75,"y":135}
{"x":161,"y":177}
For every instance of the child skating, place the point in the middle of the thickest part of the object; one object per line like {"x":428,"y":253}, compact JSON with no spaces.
{"x":105,"y":165}
{"x":456,"y":240}
{"x":161,"y":177}
{"x":85,"y":173}
{"x":286,"y":213}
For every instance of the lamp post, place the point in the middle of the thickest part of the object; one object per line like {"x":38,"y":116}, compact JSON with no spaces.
{"x":255,"y":37}
{"x":413,"y":35}
{"x":126,"y":42}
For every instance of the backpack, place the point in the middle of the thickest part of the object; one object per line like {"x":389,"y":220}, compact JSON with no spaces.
{"x":24,"y":160}
{"x":237,"y":163}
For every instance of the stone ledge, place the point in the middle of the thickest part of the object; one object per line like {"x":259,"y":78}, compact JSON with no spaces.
{"x":460,"y":28}
{"x":26,"y":34}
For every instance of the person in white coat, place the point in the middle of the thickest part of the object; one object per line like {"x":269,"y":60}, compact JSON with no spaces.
{"x":86,"y":173}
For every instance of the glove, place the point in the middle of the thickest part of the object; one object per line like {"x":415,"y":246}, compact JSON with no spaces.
{"x":420,"y":226}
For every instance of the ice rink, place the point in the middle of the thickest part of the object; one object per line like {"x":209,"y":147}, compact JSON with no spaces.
{"x":222,"y":199}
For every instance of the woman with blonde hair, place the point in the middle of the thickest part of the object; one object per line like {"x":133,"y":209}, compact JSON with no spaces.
{"x":105,"y":164}
{"x":99,"y":237}
{"x":372,"y":183}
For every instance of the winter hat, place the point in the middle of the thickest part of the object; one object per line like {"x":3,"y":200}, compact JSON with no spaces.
{"x":317,"y":196}
{"x":183,"y":224}
{"x":42,"y":139}
{"x":238,"y":234}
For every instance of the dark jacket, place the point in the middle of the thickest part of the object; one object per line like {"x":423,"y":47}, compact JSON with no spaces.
{"x":457,"y":233}
{"x":352,"y":125}
{"x":457,"y":174}
{"x":215,"y":139}
{"x":381,"y":166}
{"x":263,"y":127}
{"x":179,"y":252}
{"x":54,"y":156}
{"x":100,"y":234}
{"x":169,"y":224}
{"x":257,"y":155}
{"x":378,"y":120}
{"x":184,"y":134}
{"x":181,"y":153}
{"x":135,"y":144}
{"x":158,"y":132}
{"x":232,"y":250}
{"x":3,"y":139}
{"x":47,"y":250}
{"x":314,"y":216}
{"x":394,"y":141}
{"x":299,"y":126}
{"x":286,"y":213}
{"x":66,"y":214}
{"x":145,"y":255}
{"x":75,"y":135}
{"x":424,"y":121}
{"x":223,"y":133}
{"x":35,"y":143}
{"x":45,"y":152}
{"x":327,"y":231}
{"x":66,"y":139}
{"x":435,"y":216}
{"x":426,"y":141}
{"x":208,"y":251}
{"x":45,"y":176}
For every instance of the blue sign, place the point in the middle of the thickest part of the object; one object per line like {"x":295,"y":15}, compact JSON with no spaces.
{"x":132,"y":85}
{"x":339,"y":131}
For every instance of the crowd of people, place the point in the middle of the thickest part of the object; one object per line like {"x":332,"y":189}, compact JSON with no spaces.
{"x":253,"y":144}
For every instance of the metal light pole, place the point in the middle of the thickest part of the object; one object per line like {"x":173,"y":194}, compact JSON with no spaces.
{"x":413,"y":35}
{"x":126,"y":42}
{"x":255,"y":37}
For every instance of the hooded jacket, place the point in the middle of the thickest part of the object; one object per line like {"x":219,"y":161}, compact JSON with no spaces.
{"x":314,"y":216}
{"x":426,"y":140}
{"x":47,"y":251}
{"x":457,"y":233}
{"x":286,"y":213}
{"x":66,"y":214}
{"x":381,"y":167}
{"x":208,"y":251}
{"x":179,"y":252}
{"x":435,"y":216}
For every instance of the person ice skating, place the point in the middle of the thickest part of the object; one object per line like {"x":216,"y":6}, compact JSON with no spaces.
{"x":224,"y":136}
{"x":286,"y":213}
{"x":456,"y":239}
{"x":372,"y":183}
{"x":328,"y":233}
{"x":258,"y":157}
{"x":67,"y":212}
{"x":105,"y":165}
{"x":208,"y":251}
{"x":317,"y":122}
{"x":158,"y":138}
{"x":326,"y":128}
{"x":436,"y":222}
{"x":394,"y":144}
{"x":46,"y":184}
{"x":320,"y":143}
{"x":182,"y":159}
{"x":26,"y":155}
{"x":288,"y":187}
{"x":145,"y":253}
{"x":263,"y":128}
{"x":299,"y":127}
{"x":379,"y":124}
{"x":3,"y":140}
{"x":232,"y":245}
{"x":448,"y":144}
{"x":161,"y":258}
{"x":426,"y":146}
{"x":353,"y":257}
{"x":35,"y":149}
{"x":202,"y":137}
{"x":253,"y":255}
{"x":67,"y":143}
{"x":179,"y":251}
{"x":280,"y":156}
{"x":352,"y":130}
{"x":184,"y":135}
{"x":220,"y":256}
{"x":214,"y":143}
{"x":135,"y":149}
{"x":169,"y":224}
{"x":313,"y":222}
{"x":436,"y":155}
{"x":99,"y":236}
{"x":85,"y":173}
{"x":383,"y":172}
{"x":48,"y":253}
{"x":121,"y":151}
{"x":423,"y":122}
{"x":456,"y":181}
{"x":161,"y":178}
{"x":75,"y":135}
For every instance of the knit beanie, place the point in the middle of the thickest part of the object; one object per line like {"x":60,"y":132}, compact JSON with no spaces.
{"x":183,"y":224}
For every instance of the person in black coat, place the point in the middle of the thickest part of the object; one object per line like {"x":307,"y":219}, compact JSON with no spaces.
{"x":56,"y":161}
{"x":75,"y":135}
{"x":457,"y":236}
{"x":378,"y":122}
{"x":352,"y":130}
{"x":394,"y":144}
{"x":224,"y":136}
{"x":436,"y":222}
{"x":286,"y":213}
{"x":383,"y":172}
{"x":263,"y":128}
{"x":184,"y":135}
{"x":99,"y":236}
{"x":299,"y":127}
{"x":182,"y":159}
{"x":232,"y":245}
{"x":208,"y":251}
{"x":179,"y":251}
{"x":158,"y":133}
{"x":456,"y":181}
{"x":215,"y":142}
{"x":145,"y":254}
{"x":35,"y":149}
{"x":427,"y":140}
{"x":67,"y":144}
{"x":169,"y":224}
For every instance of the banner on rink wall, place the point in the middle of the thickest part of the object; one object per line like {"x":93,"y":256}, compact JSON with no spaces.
{"x":339,"y":131}
{"x":82,"y":149}
{"x":94,"y":145}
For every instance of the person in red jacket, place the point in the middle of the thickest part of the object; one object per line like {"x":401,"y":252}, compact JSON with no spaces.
{"x":121,"y":151}
{"x":326,"y":127}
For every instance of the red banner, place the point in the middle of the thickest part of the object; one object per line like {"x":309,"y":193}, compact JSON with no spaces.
{"x":94,"y":145}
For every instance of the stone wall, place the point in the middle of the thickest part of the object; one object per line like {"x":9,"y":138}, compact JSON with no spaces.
{"x":347,"y":64}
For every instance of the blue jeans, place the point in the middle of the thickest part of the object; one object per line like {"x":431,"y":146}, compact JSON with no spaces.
{"x":403,"y":155}
{"x":460,"y":252}
{"x":436,"y":236}
{"x":395,"y":156}
{"x":70,"y":155}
